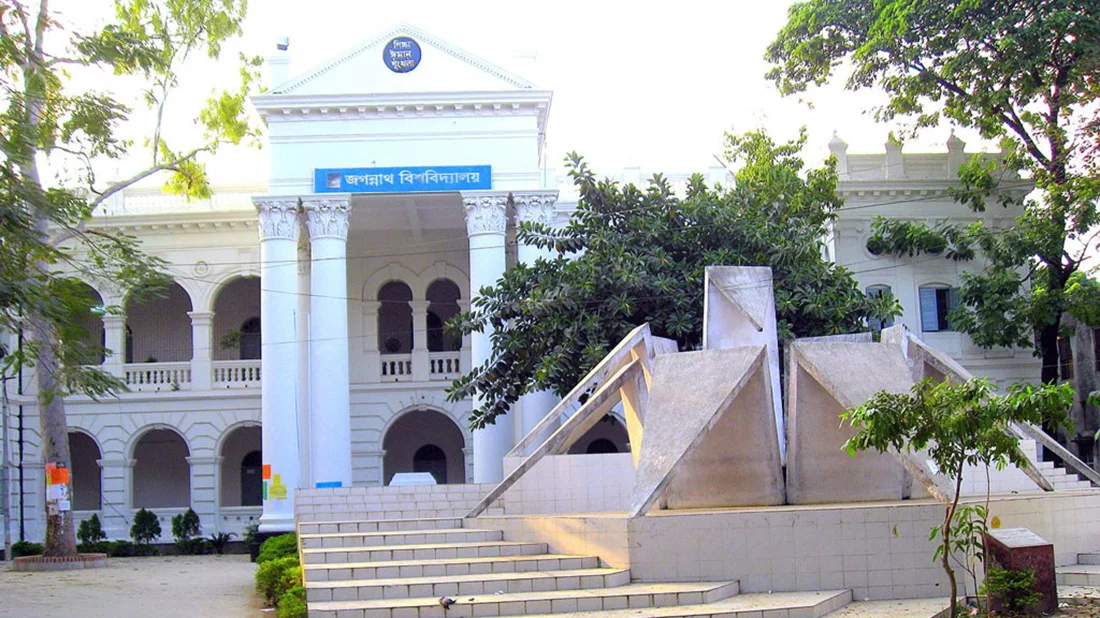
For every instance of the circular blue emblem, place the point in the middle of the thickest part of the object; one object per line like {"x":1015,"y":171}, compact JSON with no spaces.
{"x":401,"y":55}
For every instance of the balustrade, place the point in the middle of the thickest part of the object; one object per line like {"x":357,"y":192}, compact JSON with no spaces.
{"x":397,"y":367}
{"x":444,"y":365}
{"x":157,"y":376}
{"x":236,"y":374}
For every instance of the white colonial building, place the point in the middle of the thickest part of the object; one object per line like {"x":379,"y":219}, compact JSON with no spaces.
{"x":302,"y":343}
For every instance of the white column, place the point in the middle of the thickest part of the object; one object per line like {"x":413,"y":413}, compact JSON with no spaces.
{"x":278,"y":219}
{"x":202,"y":340}
{"x":371,"y":354}
{"x":305,"y":455}
{"x":534,"y":207}
{"x":204,"y":489}
{"x":115,"y":496}
{"x":486,"y":223}
{"x":114,"y":339}
{"x":420,"y":340}
{"x":329,"y":391}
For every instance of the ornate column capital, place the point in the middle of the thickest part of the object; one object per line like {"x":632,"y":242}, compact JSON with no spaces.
{"x":327,"y":217}
{"x":278,"y":217}
{"x":201,"y":317}
{"x":535,"y":206}
{"x":419,"y":306}
{"x":485,"y":212}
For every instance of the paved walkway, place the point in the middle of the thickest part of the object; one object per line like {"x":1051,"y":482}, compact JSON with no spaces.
{"x":168,"y":586}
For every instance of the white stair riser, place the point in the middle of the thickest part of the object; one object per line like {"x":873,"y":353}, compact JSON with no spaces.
{"x":517,"y":564}
{"x":395,"y":525}
{"x":536,"y":583}
{"x":1089,"y":558}
{"x":1078,"y":579}
{"x":427,"y":553}
{"x":402,"y":538}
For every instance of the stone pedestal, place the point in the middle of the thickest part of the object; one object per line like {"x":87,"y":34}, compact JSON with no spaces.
{"x":1018,"y":549}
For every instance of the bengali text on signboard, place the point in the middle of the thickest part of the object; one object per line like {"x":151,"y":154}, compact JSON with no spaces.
{"x":403,"y":179}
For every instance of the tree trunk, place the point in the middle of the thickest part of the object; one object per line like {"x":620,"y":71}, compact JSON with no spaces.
{"x":1048,"y":351}
{"x":54,"y":448}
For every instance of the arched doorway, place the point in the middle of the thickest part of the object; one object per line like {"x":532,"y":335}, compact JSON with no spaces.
{"x":159,"y":326}
{"x":85,"y":482}
{"x":241,"y":467}
{"x":443,"y":295}
{"x":607,"y":436}
{"x":162,"y":476}
{"x":395,"y":325}
{"x":237,"y":320}
{"x":85,"y":328}
{"x":424,"y":441}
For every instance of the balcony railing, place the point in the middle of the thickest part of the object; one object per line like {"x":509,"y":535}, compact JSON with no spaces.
{"x":237,"y":374}
{"x":444,"y":365}
{"x":157,"y":376}
{"x":396,"y":367}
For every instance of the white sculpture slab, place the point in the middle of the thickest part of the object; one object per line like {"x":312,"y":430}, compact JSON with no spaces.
{"x":412,"y":478}
{"x":739,"y":310}
{"x":710,"y":439}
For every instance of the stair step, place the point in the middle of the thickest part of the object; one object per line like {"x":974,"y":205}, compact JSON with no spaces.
{"x":457,"y":585}
{"x":1078,"y":575}
{"x":422,"y":552}
{"x":380,"y":525}
{"x":447,"y":566}
{"x":527,"y":603}
{"x":755,"y":605}
{"x":399,"y":537}
{"x":330,"y":515}
{"x":1088,"y":558}
{"x":897,"y":608}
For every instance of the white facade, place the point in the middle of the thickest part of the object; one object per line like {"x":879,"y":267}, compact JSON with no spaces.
{"x":305,"y":325}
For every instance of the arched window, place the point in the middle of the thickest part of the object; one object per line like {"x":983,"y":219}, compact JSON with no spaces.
{"x":936,"y":302}
{"x":242,"y":467}
{"x":250,"y":339}
{"x":878,"y":291}
{"x":162,"y":476}
{"x":84,"y":469}
{"x":443,"y":295}
{"x":161,"y":327}
{"x":600,"y":446}
{"x":430,"y":458}
{"x":395,"y":323}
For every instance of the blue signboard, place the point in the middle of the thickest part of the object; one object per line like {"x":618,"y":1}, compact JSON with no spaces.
{"x":403,"y":179}
{"x":401,"y":55}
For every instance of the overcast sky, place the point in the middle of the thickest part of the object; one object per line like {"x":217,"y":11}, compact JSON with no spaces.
{"x":644,"y":84}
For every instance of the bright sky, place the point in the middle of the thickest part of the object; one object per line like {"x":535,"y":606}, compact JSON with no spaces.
{"x":639,"y":84}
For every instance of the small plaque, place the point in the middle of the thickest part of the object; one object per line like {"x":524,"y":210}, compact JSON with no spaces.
{"x":1018,"y":549}
{"x":401,"y":54}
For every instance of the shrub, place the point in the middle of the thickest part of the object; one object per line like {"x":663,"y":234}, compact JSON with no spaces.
{"x":276,"y":576}
{"x":219,"y":540}
{"x":25,"y":548}
{"x":1014,"y":589}
{"x":250,"y":532}
{"x":99,"y":547}
{"x":278,"y":547}
{"x":185,"y":526}
{"x":293,"y":603}
{"x":91,"y":531}
{"x":146,"y":528}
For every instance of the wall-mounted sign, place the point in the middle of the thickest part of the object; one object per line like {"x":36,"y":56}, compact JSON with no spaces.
{"x":401,"y":55}
{"x":403,"y":179}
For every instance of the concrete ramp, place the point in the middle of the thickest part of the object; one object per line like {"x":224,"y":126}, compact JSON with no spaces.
{"x":710,"y":438}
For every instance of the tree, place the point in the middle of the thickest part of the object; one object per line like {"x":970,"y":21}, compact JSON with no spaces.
{"x":44,"y":216}
{"x":630,"y":256}
{"x":1021,"y":71}
{"x":960,"y":425}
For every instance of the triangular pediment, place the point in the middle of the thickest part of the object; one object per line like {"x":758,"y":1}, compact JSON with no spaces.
{"x":362,"y":70}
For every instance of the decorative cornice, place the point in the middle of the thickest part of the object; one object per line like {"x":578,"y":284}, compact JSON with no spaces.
{"x":327,"y":217}
{"x":535,"y":206}
{"x":278,"y":217}
{"x":485,"y":212}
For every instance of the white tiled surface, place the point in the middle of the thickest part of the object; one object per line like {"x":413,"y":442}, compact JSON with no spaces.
{"x":880,"y":551}
{"x":592,"y":535}
{"x":572,"y":484}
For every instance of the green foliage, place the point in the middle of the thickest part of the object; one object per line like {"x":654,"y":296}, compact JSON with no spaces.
{"x":1022,"y":72}
{"x":278,"y":547}
{"x":220,"y":540}
{"x":146,"y":527}
{"x":274,"y":577}
{"x":250,"y":532}
{"x":186,"y":525}
{"x":968,"y":528}
{"x":1014,"y":588}
{"x":292,"y":604}
{"x":633,"y":255}
{"x":91,"y":531}
{"x":957,"y":425}
{"x":25,"y":548}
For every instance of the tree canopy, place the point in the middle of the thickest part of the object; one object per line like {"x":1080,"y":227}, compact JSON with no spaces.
{"x":1020,"y":71}
{"x":633,"y":255}
{"x":49,"y":122}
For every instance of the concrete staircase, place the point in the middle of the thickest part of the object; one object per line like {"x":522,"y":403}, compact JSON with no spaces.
{"x":1086,"y":573}
{"x":386,"y":566}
